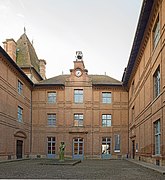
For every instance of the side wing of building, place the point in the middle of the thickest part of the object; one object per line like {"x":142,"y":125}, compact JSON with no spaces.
{"x":145,"y":80}
{"x":15,"y":110}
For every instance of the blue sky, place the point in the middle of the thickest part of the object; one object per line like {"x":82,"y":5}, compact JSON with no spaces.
{"x":102,"y":29}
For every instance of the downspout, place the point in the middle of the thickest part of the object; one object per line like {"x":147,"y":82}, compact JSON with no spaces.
{"x":31,"y":118}
{"x":31,"y":122}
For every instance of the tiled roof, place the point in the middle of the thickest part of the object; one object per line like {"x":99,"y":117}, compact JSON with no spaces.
{"x":104,"y":80}
{"x":26,"y":55}
{"x":9,"y":60}
{"x":96,"y":80}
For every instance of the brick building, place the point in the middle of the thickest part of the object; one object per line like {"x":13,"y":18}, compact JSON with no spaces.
{"x":144,"y":78}
{"x":95,"y":115}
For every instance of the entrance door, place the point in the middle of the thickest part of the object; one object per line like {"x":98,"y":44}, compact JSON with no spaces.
{"x":133,"y":149}
{"x":19,"y":147}
{"x":51,"y":147}
{"x":78,"y":148}
{"x":106,"y":148}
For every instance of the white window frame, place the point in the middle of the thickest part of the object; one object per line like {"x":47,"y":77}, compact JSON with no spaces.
{"x":20,"y":114}
{"x":51,"y":145}
{"x":51,"y":119}
{"x":157,"y":137}
{"x":78,"y":95}
{"x":78,"y":119}
{"x":106,"y":97}
{"x":20,"y":87}
{"x":156,"y":33}
{"x":106,"y":120}
{"x":156,"y":78}
{"x":51,"y":97}
{"x":117,"y":143}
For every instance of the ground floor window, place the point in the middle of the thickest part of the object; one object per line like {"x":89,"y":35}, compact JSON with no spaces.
{"x":157,"y":137}
{"x":51,"y":147}
{"x":117,"y":143}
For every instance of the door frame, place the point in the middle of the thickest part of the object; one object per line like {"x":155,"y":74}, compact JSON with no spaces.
{"x":106,"y":155}
{"x":51,"y":155}
{"x":19,"y":149}
{"x":78,"y":156}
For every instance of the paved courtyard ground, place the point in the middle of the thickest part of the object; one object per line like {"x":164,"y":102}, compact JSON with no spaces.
{"x":87,"y":169}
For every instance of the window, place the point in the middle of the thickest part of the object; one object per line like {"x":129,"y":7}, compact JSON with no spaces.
{"x":156,"y":32}
{"x":133,"y":113}
{"x":106,"y":120}
{"x":51,"y":119}
{"x":157,"y":137}
{"x":78,"y":119}
{"x":157,"y":82}
{"x":51,"y":145}
{"x":20,"y":111}
{"x":136,"y":147}
{"x":20,"y":86}
{"x":133,"y":87}
{"x":51,"y":97}
{"x":106,"y":97}
{"x":78,"y":96}
{"x":117,"y":143}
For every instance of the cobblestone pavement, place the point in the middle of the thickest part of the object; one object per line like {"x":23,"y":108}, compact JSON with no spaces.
{"x":87,"y":169}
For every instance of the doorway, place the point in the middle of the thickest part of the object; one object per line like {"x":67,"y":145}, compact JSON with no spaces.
{"x":51,"y":141}
{"x":106,"y":148}
{"x":133,"y":149}
{"x":19,"y":149}
{"x":78,"y":148}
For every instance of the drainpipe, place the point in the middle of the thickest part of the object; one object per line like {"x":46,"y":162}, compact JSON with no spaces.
{"x":128,"y":126}
{"x":31,"y":120}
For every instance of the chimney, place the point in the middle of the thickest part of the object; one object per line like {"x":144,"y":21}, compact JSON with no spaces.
{"x":42,"y":64}
{"x":10,"y":48}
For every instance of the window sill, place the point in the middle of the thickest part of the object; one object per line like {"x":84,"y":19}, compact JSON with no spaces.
{"x":117,"y":151}
{"x":157,"y":155}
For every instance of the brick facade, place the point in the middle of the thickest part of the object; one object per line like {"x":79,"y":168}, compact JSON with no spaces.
{"x":35,"y":117}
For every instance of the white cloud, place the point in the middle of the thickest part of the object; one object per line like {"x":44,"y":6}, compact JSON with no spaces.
{"x":20,"y":15}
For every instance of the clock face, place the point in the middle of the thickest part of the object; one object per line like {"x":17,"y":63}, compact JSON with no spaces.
{"x":78,"y":72}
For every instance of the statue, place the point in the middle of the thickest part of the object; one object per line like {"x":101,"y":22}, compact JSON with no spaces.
{"x":62,"y":148}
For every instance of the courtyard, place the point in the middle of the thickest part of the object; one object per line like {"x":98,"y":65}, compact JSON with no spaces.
{"x":87,"y":169}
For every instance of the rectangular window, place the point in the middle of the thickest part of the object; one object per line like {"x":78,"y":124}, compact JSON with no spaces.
{"x":106,"y":97}
{"x":78,"y":96}
{"x":156,"y":33}
{"x":157,"y":137}
{"x":106,"y":120}
{"x":78,"y":119}
{"x":117,"y":143}
{"x":19,"y":113}
{"x":51,"y":145}
{"x":133,"y":113}
{"x":133,"y":87}
{"x":136,"y":147}
{"x":51,"y":97}
{"x":20,"y":87}
{"x":51,"y":119}
{"x":157,"y":82}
